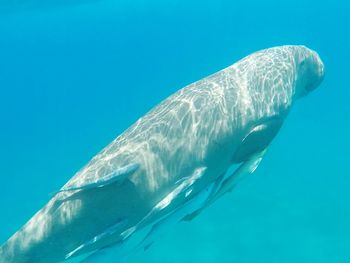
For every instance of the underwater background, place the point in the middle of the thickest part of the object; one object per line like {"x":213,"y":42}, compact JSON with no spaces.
{"x":74,"y":75}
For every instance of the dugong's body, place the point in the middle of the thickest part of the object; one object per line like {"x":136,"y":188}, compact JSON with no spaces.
{"x":172,"y":162}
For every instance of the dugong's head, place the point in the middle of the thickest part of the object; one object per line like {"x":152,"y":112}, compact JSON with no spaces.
{"x":309,"y":70}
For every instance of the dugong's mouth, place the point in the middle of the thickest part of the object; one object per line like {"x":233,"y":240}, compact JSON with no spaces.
{"x":315,"y":74}
{"x":319,"y":72}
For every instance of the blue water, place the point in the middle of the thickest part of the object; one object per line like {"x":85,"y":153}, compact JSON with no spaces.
{"x":73,"y":77}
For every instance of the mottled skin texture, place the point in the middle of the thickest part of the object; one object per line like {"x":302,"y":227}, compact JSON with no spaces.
{"x":201,"y":125}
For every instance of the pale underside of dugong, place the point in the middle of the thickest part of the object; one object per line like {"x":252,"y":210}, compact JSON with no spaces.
{"x":172,"y":163}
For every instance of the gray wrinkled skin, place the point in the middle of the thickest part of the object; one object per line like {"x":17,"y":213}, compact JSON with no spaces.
{"x":201,"y":125}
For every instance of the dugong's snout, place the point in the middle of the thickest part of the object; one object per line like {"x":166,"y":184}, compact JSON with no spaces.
{"x":318,"y":71}
{"x":310,"y":72}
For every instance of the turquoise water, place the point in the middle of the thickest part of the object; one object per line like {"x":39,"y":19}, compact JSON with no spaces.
{"x":73,"y":77}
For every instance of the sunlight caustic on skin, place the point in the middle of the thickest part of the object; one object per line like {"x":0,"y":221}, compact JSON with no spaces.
{"x":173,"y":162}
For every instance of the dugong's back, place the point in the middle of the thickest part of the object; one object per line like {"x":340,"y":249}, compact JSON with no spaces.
{"x":201,"y":125}
{"x":213,"y":107}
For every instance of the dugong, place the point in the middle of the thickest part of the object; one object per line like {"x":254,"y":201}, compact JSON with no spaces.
{"x":172,"y":163}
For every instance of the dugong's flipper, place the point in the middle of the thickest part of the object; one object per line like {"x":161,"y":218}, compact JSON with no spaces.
{"x":258,"y":138}
{"x":250,"y":153}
